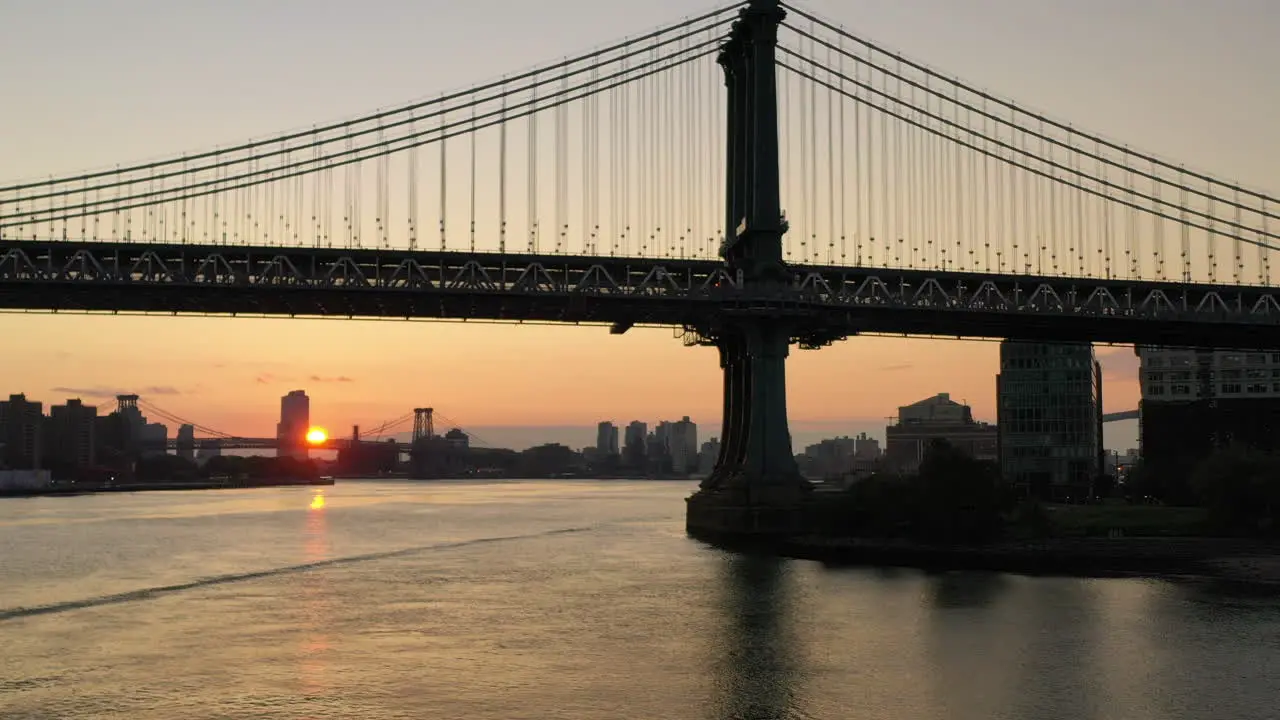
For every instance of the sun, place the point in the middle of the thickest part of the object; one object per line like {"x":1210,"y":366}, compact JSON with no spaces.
{"x":317,"y":436}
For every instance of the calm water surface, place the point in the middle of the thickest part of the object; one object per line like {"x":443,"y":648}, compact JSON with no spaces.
{"x":567,"y":600}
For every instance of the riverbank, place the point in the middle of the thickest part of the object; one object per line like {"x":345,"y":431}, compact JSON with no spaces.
{"x":74,"y":490}
{"x":1243,"y":561}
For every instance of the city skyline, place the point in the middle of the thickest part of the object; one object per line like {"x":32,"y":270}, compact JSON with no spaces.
{"x":517,"y":376}
{"x":1119,"y":365}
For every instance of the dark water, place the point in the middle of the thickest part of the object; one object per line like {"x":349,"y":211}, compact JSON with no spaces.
{"x":567,"y":600}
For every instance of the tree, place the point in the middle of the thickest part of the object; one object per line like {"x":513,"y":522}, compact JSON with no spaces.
{"x":960,"y":498}
{"x":1241,"y":490}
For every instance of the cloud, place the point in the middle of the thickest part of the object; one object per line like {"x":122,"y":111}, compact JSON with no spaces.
{"x":107,"y":392}
{"x":270,"y":379}
{"x":896,"y":368}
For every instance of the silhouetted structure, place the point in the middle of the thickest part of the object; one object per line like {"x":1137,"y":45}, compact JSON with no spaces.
{"x":72,"y":434}
{"x":21,"y":431}
{"x":934,"y":419}
{"x":186,"y":442}
{"x":1197,"y":402}
{"x":295,"y":421}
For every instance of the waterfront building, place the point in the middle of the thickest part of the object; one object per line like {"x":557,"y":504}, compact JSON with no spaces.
{"x":457,"y":439}
{"x":186,"y":442}
{"x":866,"y":447}
{"x":134,"y":433}
{"x":682,"y":446}
{"x":1195,"y":402}
{"x":71,"y":440}
{"x":295,"y":421}
{"x":921,"y":424}
{"x":21,"y":433}
{"x":635,"y":447}
{"x":708,"y":455}
{"x":607,"y":439}
{"x":1049,"y":399}
{"x":828,"y":459}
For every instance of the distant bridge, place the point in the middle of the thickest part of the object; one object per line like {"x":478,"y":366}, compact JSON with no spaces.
{"x":1118,"y":416}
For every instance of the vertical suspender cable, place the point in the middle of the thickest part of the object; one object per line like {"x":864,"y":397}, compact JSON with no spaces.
{"x":831,"y":167}
{"x":502,"y":172}
{"x":533,"y":171}
{"x":444,"y":180}
{"x":1211,"y":237}
{"x":844,"y":160}
{"x":474,"y":140}
{"x":413,"y":194}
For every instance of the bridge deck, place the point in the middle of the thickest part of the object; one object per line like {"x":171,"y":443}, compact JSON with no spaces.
{"x":840,"y":301}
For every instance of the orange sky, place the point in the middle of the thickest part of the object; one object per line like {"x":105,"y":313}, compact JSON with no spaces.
{"x":1141,"y":72}
{"x":229,"y":373}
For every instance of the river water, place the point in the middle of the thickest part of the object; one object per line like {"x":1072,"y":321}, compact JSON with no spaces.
{"x":568,"y":600}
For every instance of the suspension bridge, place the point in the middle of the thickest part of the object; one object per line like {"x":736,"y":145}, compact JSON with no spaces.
{"x":419,"y":424}
{"x":756,"y":177}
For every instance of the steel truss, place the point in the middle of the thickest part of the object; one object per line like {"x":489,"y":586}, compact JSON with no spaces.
{"x":824,"y":304}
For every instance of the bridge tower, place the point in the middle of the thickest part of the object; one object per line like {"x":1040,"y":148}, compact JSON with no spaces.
{"x":423,"y":424}
{"x":756,"y":488}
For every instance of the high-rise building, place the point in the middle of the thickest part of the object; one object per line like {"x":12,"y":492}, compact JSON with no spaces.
{"x":71,"y":438}
{"x":1195,"y":402}
{"x":295,"y":420}
{"x":708,"y":455}
{"x":866,"y":447}
{"x":607,"y":439}
{"x":682,"y":445}
{"x":187,"y":442}
{"x":21,"y":428}
{"x":1049,"y":397}
{"x":634,"y":447}
{"x":937,"y":418}
{"x":139,"y":435}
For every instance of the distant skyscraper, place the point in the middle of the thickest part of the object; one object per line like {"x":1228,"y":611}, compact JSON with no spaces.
{"x":607,"y":438}
{"x":187,"y":442}
{"x":708,"y":455}
{"x":146,"y":438}
{"x":71,"y":434}
{"x":635,"y":447}
{"x":295,"y":420}
{"x":682,"y":444}
{"x":21,"y":425}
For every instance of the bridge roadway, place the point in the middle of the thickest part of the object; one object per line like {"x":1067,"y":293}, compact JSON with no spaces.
{"x":271,"y":444}
{"x":824,"y":301}
{"x":343,"y":443}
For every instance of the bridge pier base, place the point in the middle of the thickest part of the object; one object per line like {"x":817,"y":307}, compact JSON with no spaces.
{"x":746,"y":514}
{"x":755,"y":491}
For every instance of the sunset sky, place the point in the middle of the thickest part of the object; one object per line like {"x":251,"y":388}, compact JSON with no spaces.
{"x":90,"y":83}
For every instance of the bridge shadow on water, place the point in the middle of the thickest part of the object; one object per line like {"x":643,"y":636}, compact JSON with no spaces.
{"x":754,"y":666}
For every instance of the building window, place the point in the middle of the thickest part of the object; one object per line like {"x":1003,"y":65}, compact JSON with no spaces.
{"x":1156,"y":362}
{"x":1230,"y":374}
{"x":1257,"y":359}
{"x":1180,"y":390}
{"x":1257,"y":388}
{"x":1231,"y":389}
{"x":1255,"y":374}
{"x":1155,"y":390}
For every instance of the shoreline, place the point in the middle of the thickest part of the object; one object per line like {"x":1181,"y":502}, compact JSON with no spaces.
{"x":1230,"y":560}
{"x":160,"y":487}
